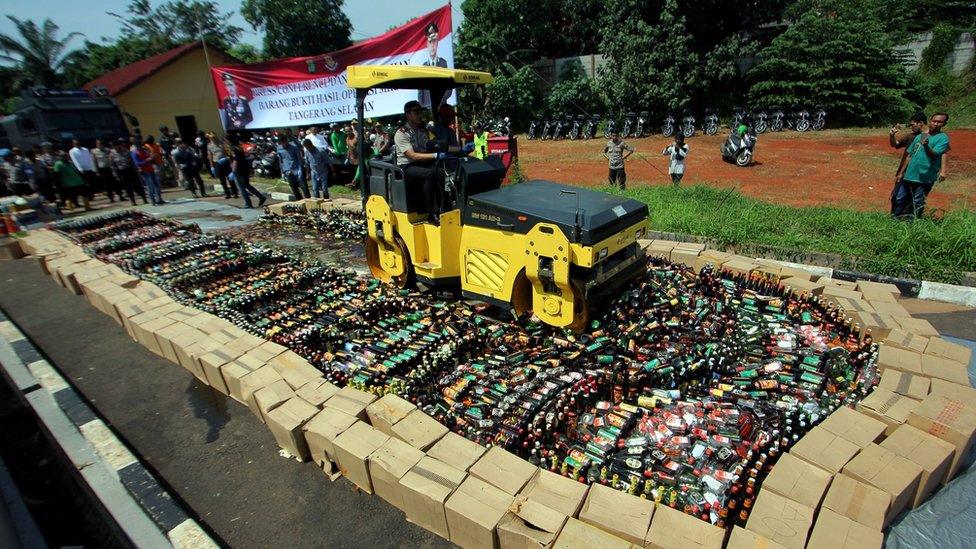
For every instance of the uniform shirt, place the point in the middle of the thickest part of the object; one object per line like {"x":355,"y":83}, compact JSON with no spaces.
{"x":678,"y":155}
{"x":318,"y":162}
{"x":921,"y":168}
{"x":101,"y":157}
{"x":409,"y":139}
{"x":291,"y":159}
{"x":82,"y":159}
{"x":121,"y":161}
{"x":185,"y":158}
{"x":615,"y":152}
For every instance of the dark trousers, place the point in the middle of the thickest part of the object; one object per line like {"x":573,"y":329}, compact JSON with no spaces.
{"x":130,"y":183}
{"x":222,"y":169}
{"x":618,"y":176}
{"x":418,"y":175}
{"x":910,"y":199}
{"x":92,"y":183}
{"x":295,"y":182}
{"x":244,"y":184}
{"x":107,"y":184}
{"x":676,"y":178}
{"x":194,"y":181}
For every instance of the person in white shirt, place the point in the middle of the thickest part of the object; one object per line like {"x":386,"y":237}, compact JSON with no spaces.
{"x":83,"y":160}
{"x":678,"y":151}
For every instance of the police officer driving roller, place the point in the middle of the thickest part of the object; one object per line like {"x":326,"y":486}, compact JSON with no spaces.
{"x":410,"y":142}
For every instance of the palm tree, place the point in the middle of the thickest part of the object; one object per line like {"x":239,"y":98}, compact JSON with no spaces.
{"x":37,"y":52}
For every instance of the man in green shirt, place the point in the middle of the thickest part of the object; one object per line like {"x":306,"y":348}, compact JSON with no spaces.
{"x":338,"y":141}
{"x":72,"y":185}
{"x":923,"y":166}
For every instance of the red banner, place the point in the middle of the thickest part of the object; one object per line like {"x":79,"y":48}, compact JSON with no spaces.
{"x":302,"y":91}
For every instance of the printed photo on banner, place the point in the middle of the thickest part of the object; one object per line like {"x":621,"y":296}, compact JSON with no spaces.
{"x":235,"y":112}
{"x":431,"y":58}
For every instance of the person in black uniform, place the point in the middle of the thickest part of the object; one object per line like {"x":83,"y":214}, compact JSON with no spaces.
{"x":236,"y":112}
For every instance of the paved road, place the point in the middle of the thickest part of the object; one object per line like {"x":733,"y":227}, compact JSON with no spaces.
{"x":208,"y":449}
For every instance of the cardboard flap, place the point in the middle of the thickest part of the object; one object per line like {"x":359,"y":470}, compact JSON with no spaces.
{"x":537,"y":516}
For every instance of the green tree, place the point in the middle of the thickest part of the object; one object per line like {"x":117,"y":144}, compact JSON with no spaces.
{"x":836,"y":57}
{"x":574,"y":94}
{"x":297,"y":28}
{"x":177,"y":22}
{"x":246,"y":53}
{"x":514,"y":31}
{"x":650,"y":62}
{"x":37,"y":52}
{"x":513,"y":93}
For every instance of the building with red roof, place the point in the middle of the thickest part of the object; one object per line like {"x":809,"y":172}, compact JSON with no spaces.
{"x":171,"y":89}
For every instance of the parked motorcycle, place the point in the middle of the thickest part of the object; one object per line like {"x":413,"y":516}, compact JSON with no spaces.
{"x":711,"y":122}
{"x":738,"y":115}
{"x":628,"y":128}
{"x":502,"y":127}
{"x":533,"y":128}
{"x":819,"y":118}
{"x":611,"y":127}
{"x":547,"y":130}
{"x":800,"y":119}
{"x":777,"y":119}
{"x":577,"y":130}
{"x":762,"y":122}
{"x":688,"y":124}
{"x":591,"y":127}
{"x":642,"y":119}
{"x":667,"y":129}
{"x":557,"y":132}
{"x":738,"y":149}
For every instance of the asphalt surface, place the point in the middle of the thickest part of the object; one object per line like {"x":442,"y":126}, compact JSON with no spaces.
{"x":210,"y":451}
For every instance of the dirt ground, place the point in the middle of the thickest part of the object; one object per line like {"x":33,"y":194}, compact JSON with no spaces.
{"x":848,"y":168}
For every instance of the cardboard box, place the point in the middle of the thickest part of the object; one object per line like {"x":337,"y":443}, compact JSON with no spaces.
{"x":798,"y":480}
{"x":858,"y":501}
{"x":798,"y":273}
{"x":352,"y":450}
{"x":949,"y":420}
{"x":888,"y":407}
{"x":888,"y":471}
{"x":244,"y":390}
{"x":879,"y":325}
{"x":529,"y":525}
{"x":245,"y":343}
{"x":803,"y":286}
{"x":317,"y":391}
{"x":908,"y":341}
{"x":659,"y":248}
{"x":883,"y":296}
{"x":556,"y":492}
{"x":187,"y":336}
{"x":834,"y":531}
{"x":387,"y":411}
{"x":867,"y":285}
{"x":895,"y":310}
{"x":190,"y":355}
{"x":211,"y":362}
{"x":739,"y":266}
{"x":166,"y":336}
{"x":916,"y":387}
{"x":899,"y":359}
{"x":265,"y":352}
{"x":419,"y":430}
{"x":672,"y":529}
{"x":824,"y":449}
{"x":388,"y":464}
{"x":931,"y":454}
{"x":351,"y":401}
{"x":833,"y":290}
{"x":618,"y":512}
{"x":504,"y":470}
{"x":294,"y":369}
{"x":703,"y":261}
{"x":919,"y":326}
{"x":747,"y":539}
{"x":320,"y":434}
{"x":781,"y":519}
{"x":946,"y":349}
{"x":854,"y":426}
{"x":846,"y":284}
{"x":684,"y":256}
{"x":953,"y":391}
{"x":269,"y":397}
{"x":852,"y":306}
{"x":457,"y":451}
{"x":473,"y":512}
{"x":234,"y":371}
{"x":425,"y":488}
{"x":944,"y":368}
{"x":576,"y":534}
{"x":285,"y":423}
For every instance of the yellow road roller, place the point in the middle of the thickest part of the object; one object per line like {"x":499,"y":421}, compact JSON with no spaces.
{"x":537,"y":246}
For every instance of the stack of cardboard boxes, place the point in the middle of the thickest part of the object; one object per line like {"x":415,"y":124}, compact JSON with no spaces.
{"x":838,"y":487}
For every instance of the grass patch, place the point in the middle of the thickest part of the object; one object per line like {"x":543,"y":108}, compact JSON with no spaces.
{"x":939,"y":250}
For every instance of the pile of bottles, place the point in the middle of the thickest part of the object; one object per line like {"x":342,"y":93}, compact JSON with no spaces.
{"x":685,"y":389}
{"x":337,"y":224}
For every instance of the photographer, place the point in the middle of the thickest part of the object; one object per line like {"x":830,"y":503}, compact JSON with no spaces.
{"x":616,"y":152}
